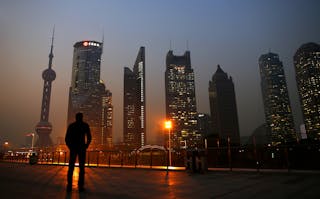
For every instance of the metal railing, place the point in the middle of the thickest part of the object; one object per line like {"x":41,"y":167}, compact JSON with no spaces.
{"x":306,"y":157}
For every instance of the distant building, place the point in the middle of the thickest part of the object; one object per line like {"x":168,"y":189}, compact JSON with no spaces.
{"x":107,"y":120}
{"x":260,"y":136}
{"x":134,"y":103}
{"x":223,"y":108}
{"x":307,"y":67}
{"x":204,"y":124}
{"x":28,"y":140}
{"x":181,"y":106}
{"x":87,"y":93}
{"x":276,"y":101}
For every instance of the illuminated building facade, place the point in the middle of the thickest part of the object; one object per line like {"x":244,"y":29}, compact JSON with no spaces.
{"x":181,"y":106}
{"x":223,"y":108}
{"x":277,"y":109}
{"x":88,"y":94}
{"x":134,"y":103}
{"x":307,"y":67}
{"x":44,"y":127}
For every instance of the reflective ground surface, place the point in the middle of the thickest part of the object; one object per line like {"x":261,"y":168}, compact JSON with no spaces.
{"x":49,"y":181}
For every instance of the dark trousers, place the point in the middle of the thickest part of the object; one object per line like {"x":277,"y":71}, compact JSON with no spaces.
{"x":82,"y":158}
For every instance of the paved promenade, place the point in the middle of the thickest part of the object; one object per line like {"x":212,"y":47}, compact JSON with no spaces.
{"x":48,"y":181}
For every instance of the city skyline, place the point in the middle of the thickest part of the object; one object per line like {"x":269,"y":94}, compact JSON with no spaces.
{"x":232,"y":34}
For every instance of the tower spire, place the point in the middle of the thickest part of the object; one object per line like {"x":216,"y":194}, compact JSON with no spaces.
{"x":187,"y":44}
{"x":102,"y":41}
{"x":51,"y":50}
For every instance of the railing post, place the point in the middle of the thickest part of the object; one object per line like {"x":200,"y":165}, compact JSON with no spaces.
{"x":88,"y":160}
{"x":167,"y":155}
{"x":256,"y":154}
{"x":65,"y":158}
{"x":110,"y":159}
{"x":59,"y":158}
{"x":98,"y":158}
{"x":286,"y":153}
{"x":151,"y":158}
{"x":136,"y":159}
{"x":121,"y":161}
{"x":229,"y":154}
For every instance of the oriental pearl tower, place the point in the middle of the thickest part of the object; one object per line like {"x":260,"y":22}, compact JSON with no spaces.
{"x":44,"y":127}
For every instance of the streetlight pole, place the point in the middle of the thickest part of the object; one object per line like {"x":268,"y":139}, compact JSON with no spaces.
{"x":6,"y":147}
{"x":168,"y":125}
{"x":169,"y":148}
{"x":32,"y":142}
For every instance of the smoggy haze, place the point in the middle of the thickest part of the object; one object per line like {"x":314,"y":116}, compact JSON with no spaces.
{"x":230,"y":33}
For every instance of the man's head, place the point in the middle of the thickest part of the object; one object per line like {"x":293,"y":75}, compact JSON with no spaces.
{"x":79,"y":117}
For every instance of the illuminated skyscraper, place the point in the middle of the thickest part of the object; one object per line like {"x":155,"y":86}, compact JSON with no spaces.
{"x":307,"y":66}
{"x":44,"y":127}
{"x":181,"y":106}
{"x":87,"y":93}
{"x":134,"y":103}
{"x":223,"y":108}
{"x":277,"y":109}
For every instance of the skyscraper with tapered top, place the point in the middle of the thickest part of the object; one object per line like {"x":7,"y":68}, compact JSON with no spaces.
{"x":181,"y":106}
{"x":88,"y":94}
{"x":307,"y":67}
{"x":223,"y":108}
{"x":44,"y":127}
{"x":134,"y":103}
{"x":277,"y":109}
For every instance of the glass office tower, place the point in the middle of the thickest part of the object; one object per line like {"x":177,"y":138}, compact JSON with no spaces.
{"x":307,"y":67}
{"x":88,"y":94}
{"x":181,"y":106}
{"x":277,"y":109}
{"x":134,"y":103}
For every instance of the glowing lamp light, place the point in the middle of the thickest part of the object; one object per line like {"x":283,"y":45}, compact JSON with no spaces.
{"x":168,"y":124}
{"x":85,"y":43}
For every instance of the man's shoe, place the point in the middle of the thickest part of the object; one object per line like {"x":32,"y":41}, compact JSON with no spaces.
{"x":82,"y":189}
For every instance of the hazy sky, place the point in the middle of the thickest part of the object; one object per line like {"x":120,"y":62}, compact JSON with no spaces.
{"x":231,"y":33}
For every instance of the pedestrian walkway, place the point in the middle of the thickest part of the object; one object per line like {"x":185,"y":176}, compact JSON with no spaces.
{"x":49,"y":181}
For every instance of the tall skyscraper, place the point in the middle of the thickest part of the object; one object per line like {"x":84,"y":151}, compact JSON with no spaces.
{"x":181,"y":106}
{"x":223,"y":108}
{"x":307,"y":66}
{"x":44,"y":127}
{"x":277,"y":109}
{"x":88,"y":94}
{"x":134,"y":103}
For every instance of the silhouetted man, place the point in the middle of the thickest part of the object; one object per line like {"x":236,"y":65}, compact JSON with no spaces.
{"x":78,"y":138}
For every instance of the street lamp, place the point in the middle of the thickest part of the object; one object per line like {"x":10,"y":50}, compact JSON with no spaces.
{"x":5,"y":146}
{"x":168,"y":125}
